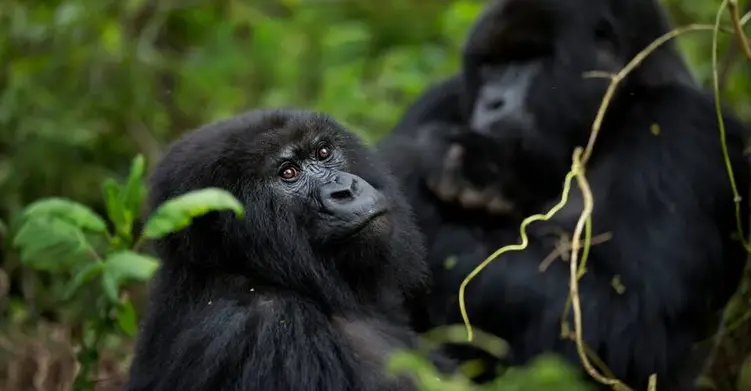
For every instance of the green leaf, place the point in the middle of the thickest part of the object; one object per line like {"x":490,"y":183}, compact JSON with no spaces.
{"x":132,"y":195}
{"x":125,"y":266}
{"x":126,"y":318}
{"x":115,"y":209}
{"x":85,"y":275}
{"x":52,"y":244}
{"x":110,"y":287}
{"x":178,"y":212}
{"x":72,"y":212}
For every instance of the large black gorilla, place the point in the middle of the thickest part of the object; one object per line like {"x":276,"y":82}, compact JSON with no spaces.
{"x":304,"y":293}
{"x":493,"y":143}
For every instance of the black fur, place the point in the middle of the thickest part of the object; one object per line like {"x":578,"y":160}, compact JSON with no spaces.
{"x":267,"y":303}
{"x":657,"y":173}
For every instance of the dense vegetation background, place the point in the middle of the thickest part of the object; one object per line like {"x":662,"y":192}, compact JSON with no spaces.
{"x":88,"y":84}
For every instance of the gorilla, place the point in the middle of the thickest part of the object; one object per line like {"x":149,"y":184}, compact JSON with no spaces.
{"x":305,"y":292}
{"x":494,"y":142}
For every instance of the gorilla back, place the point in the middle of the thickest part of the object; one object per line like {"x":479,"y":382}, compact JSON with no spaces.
{"x":306,"y":291}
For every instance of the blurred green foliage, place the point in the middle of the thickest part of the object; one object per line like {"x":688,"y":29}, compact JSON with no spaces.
{"x":85,"y":85}
{"x":68,"y":238}
{"x":88,"y":84}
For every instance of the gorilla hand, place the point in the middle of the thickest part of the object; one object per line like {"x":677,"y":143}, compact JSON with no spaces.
{"x":452,"y":178}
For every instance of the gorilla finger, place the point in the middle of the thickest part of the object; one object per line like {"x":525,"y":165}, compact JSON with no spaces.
{"x":500,"y":205}
{"x":447,"y":187}
{"x":442,"y":186}
{"x":453,"y":158}
{"x":471,"y":198}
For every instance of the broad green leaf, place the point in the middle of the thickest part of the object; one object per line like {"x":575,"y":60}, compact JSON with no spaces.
{"x":178,"y":212}
{"x":110,"y":287}
{"x":72,"y":212}
{"x":85,"y":275}
{"x":125,"y":266}
{"x":115,"y":209}
{"x":132,"y":195}
{"x":128,"y":265}
{"x":126,"y":318}
{"x":52,"y":244}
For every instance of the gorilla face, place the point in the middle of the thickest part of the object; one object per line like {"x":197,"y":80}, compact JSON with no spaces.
{"x":525,"y":66}
{"x":310,"y":174}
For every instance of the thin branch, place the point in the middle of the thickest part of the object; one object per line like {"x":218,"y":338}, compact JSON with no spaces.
{"x":618,"y":78}
{"x":735,"y":15}
{"x":721,"y":125}
{"x":578,"y":169}
{"x":565,"y":245}
{"x":746,"y":18}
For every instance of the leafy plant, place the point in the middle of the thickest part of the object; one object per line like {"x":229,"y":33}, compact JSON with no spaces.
{"x":547,"y":372}
{"x":62,"y":236}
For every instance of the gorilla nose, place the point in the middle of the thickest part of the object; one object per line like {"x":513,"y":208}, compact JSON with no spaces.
{"x":351,"y":197}
{"x":341,"y":190}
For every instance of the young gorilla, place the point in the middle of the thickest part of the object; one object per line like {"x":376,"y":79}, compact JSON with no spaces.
{"x":657,"y":174}
{"x":305,"y":292}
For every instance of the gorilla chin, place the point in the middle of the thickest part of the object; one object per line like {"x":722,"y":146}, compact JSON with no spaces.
{"x":374,"y":222}
{"x":377,"y":223}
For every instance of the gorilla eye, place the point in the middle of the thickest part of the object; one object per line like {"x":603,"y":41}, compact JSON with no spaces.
{"x":323,"y":153}
{"x":289,"y":173}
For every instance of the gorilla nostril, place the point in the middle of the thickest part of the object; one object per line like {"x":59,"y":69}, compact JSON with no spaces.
{"x":341,"y":195}
{"x":494,"y":104}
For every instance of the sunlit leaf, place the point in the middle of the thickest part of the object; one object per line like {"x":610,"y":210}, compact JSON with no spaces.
{"x":178,"y":212}
{"x":111,"y":38}
{"x":126,"y":318}
{"x":52,"y":244}
{"x":72,"y":212}
{"x":132,"y":194}
{"x":115,"y":208}
{"x":124,"y":266}
{"x":127,"y":265}
{"x":110,"y":287}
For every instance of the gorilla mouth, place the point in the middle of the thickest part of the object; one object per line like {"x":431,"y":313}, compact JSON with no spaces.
{"x":373,"y":218}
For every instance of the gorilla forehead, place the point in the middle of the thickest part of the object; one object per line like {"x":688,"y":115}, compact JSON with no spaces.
{"x":256,"y":139}
{"x":247,"y":146}
{"x":266,"y":135}
{"x":510,"y":15}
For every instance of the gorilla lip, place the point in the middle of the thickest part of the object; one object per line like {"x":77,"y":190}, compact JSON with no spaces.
{"x":370,"y":216}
